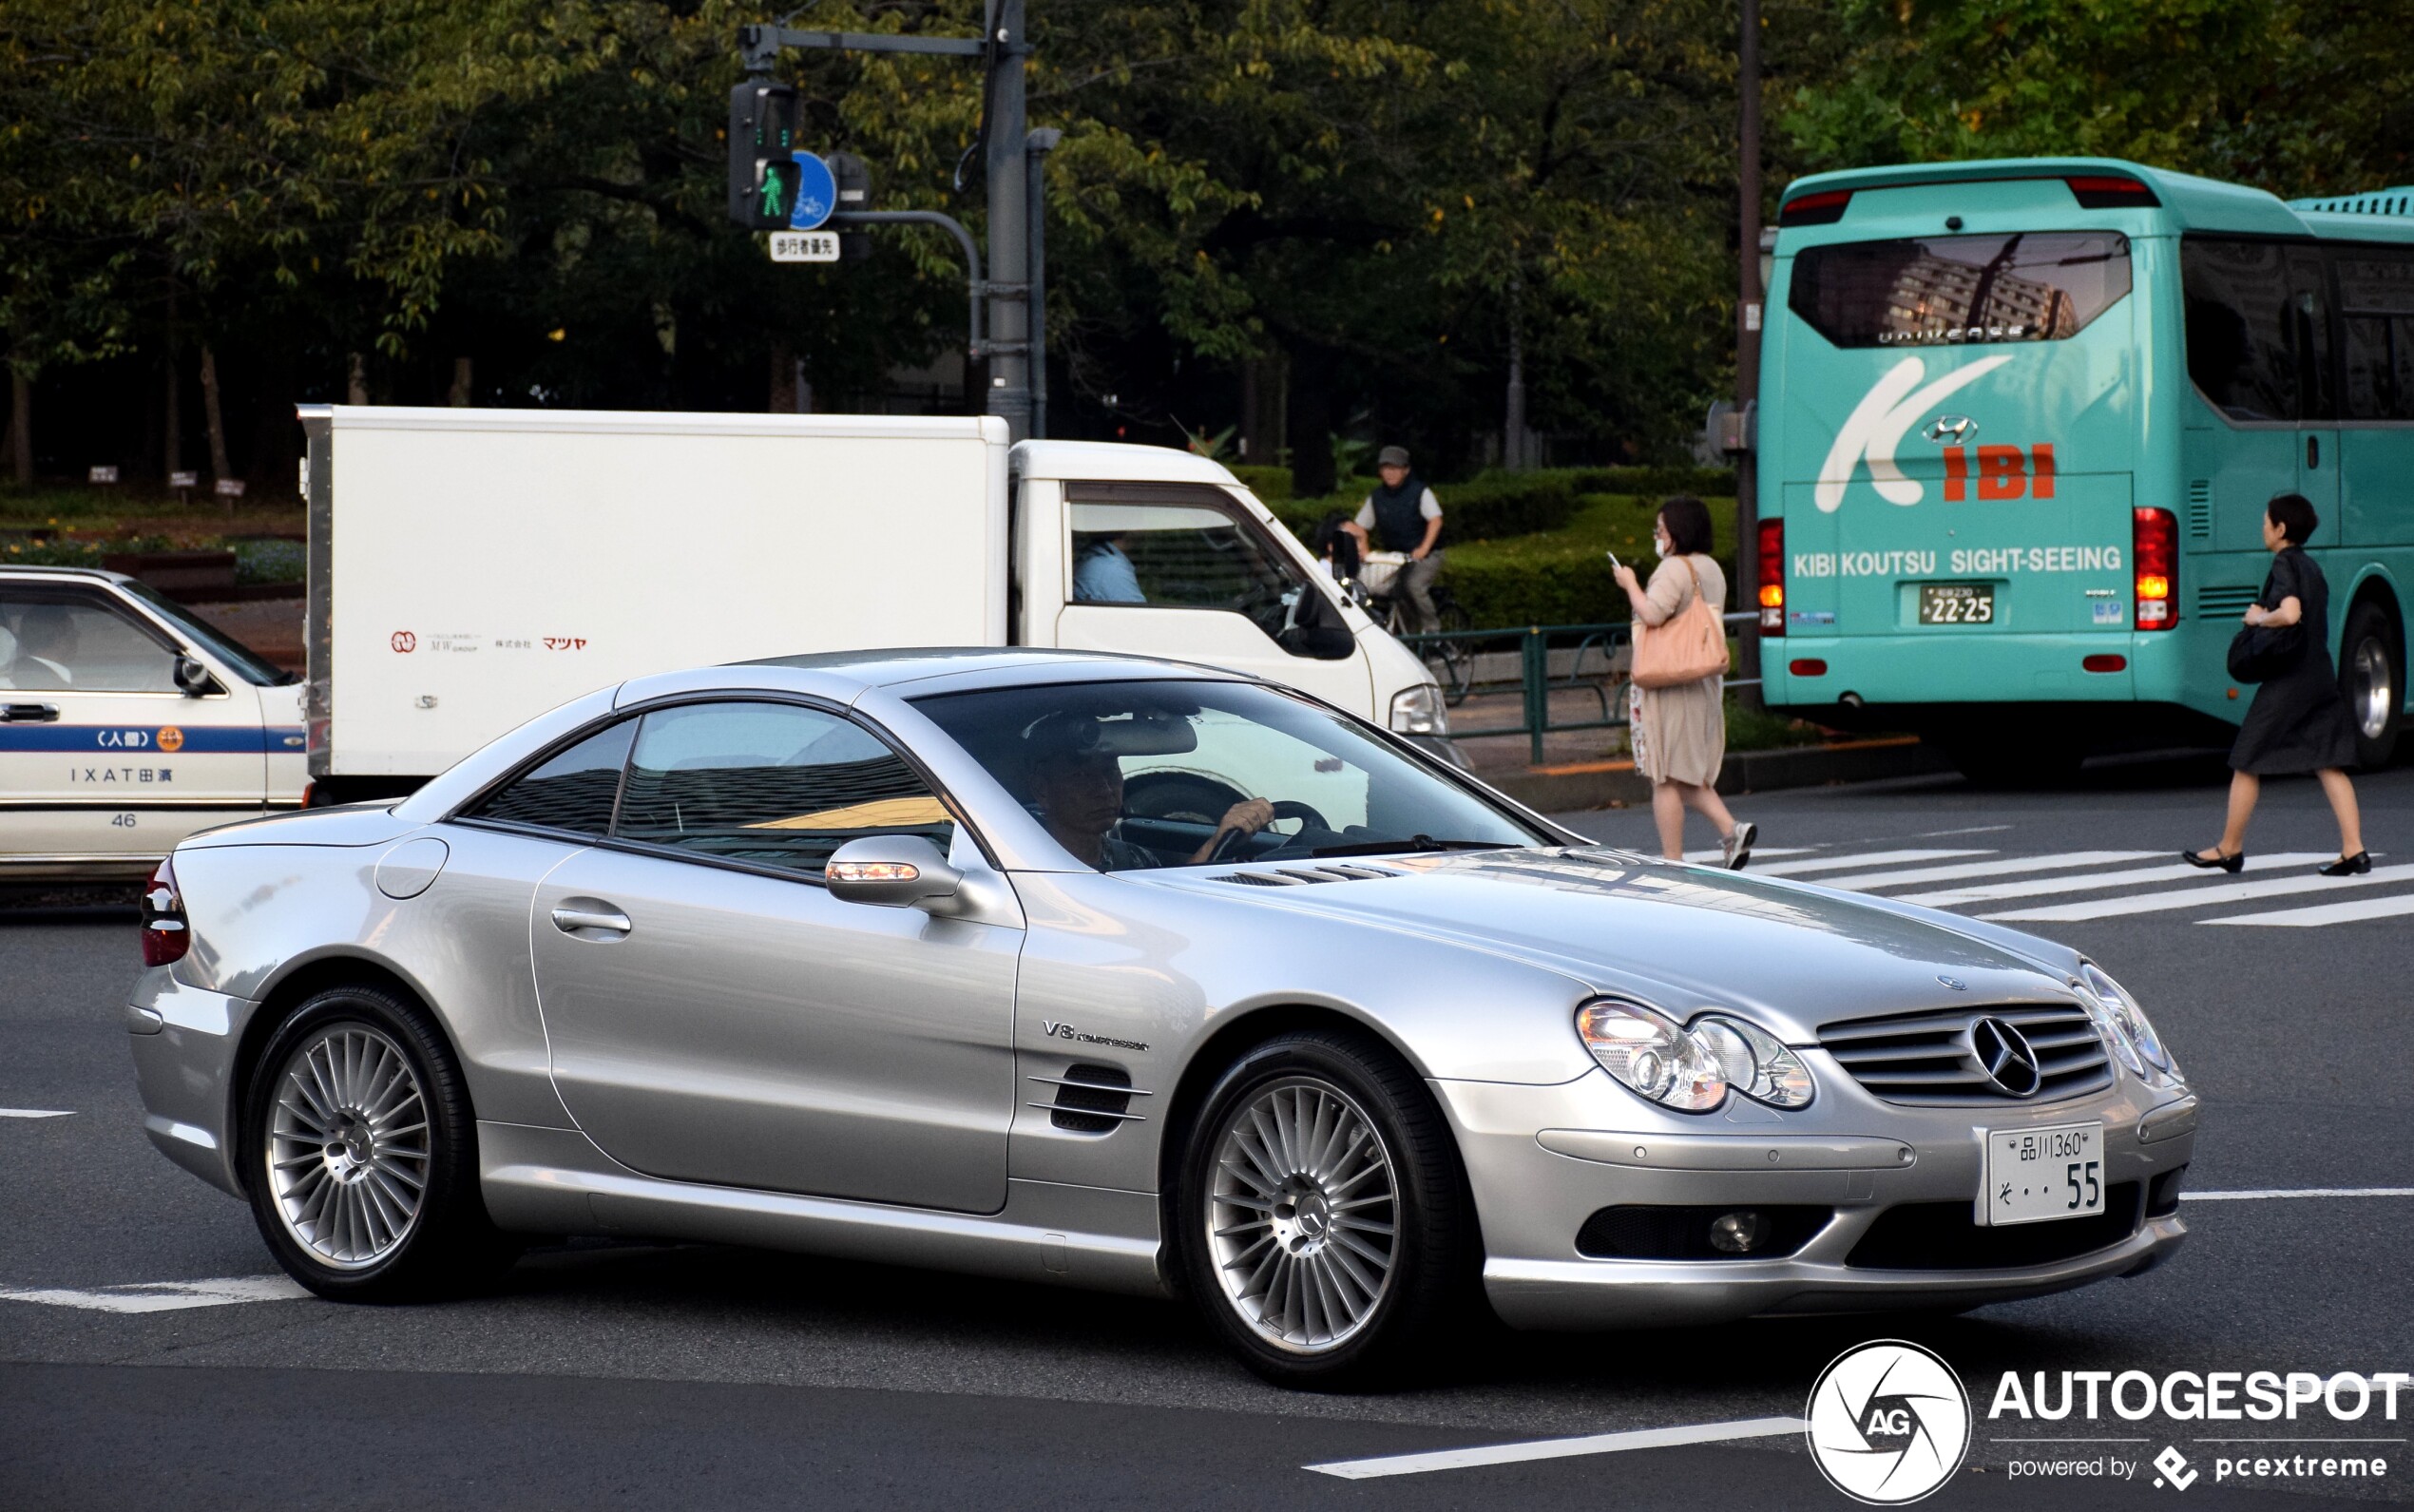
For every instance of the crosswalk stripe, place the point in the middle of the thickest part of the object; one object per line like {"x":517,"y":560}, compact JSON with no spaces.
{"x":160,"y":1297}
{"x":2094,"y":882}
{"x":2003,"y":866}
{"x":2322,"y":913}
{"x":2199,"y":897}
{"x":1839,"y":863}
{"x":1758,"y":851}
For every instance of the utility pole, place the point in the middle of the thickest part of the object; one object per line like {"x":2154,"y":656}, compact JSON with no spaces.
{"x":1007,"y":346}
{"x":1748,"y":321}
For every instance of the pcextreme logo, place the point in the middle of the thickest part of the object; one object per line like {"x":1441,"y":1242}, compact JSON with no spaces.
{"x":1876,"y":427}
{"x":1889,"y":1422}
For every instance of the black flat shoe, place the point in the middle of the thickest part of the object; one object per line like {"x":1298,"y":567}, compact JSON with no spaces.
{"x":2231,"y":864}
{"x":2349,"y":866}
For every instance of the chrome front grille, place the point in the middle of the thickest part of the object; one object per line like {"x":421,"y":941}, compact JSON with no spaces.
{"x":1931,"y":1059}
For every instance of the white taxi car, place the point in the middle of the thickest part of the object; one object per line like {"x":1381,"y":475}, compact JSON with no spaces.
{"x":126,"y":723}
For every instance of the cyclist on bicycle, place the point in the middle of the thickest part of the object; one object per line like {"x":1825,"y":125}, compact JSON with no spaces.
{"x":1404,"y":516}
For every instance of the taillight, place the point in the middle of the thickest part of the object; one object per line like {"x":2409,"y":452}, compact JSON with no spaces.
{"x":1822,"y":209}
{"x":1772,"y":576}
{"x":2154,"y":548}
{"x":2110,"y":191}
{"x":166,"y":934}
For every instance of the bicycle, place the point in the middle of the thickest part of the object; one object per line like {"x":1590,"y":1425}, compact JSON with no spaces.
{"x":1452,"y":662}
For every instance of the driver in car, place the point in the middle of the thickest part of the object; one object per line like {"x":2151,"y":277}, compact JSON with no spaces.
{"x":1079,"y":788}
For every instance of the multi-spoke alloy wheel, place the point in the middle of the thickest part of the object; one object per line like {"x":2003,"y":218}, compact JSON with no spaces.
{"x":348,"y":1153}
{"x":362,"y":1154}
{"x":1320,"y":1217}
{"x":1304,"y":1215}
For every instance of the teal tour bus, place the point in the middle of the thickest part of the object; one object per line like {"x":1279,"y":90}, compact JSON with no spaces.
{"x":2018,"y":424}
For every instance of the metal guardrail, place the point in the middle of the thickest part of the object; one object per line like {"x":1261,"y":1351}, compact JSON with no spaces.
{"x":1454,"y":652}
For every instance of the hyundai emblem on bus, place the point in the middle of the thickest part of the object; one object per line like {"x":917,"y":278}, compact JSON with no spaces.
{"x":1876,"y":427}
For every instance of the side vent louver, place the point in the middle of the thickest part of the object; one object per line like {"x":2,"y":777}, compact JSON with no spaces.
{"x":2200,"y":509}
{"x":1091,"y":1098}
{"x":1299,"y":876}
{"x":2216,"y":601}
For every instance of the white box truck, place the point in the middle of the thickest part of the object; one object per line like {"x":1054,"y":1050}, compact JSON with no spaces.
{"x":471,"y":568}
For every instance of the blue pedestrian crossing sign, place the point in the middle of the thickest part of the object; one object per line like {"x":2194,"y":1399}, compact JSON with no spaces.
{"x":816,"y":193}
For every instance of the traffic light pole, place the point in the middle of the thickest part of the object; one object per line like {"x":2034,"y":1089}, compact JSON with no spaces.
{"x":1007,"y":347}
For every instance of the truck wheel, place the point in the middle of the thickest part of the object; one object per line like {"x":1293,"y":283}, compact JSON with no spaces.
{"x":2373,"y":676}
{"x":1321,"y":1218}
{"x":359,"y":1151}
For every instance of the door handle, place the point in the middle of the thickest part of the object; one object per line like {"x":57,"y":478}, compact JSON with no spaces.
{"x":30,"y":714}
{"x":570,"y":921}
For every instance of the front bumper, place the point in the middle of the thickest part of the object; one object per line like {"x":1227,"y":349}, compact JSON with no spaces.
{"x":1846,"y":1153}
{"x":184,"y":1041}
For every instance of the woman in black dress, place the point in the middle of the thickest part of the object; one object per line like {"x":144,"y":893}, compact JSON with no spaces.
{"x":2299,"y":720}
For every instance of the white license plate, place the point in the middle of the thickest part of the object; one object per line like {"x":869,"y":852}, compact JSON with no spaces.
{"x":2034,"y":1176}
{"x":1957,"y":604}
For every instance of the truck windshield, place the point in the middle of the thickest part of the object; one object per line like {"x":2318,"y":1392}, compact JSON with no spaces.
{"x":1130,"y":776}
{"x":1940,"y":291}
{"x":244,"y":661}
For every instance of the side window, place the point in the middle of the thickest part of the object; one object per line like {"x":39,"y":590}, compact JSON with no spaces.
{"x":773,"y":784}
{"x":1197,"y":550}
{"x":574,"y":792}
{"x":67,"y":639}
{"x":2255,"y":328}
{"x":2376,"y":306}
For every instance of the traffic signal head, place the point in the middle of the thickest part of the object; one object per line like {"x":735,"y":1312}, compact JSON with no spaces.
{"x":762,"y":133}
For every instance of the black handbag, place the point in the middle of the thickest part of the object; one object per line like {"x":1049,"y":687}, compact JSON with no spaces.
{"x":2258,"y":653}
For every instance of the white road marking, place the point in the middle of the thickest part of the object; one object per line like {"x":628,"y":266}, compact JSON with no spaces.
{"x":1874,"y":858}
{"x":2300,"y":1192}
{"x":2097,"y":882}
{"x":1758,"y":851}
{"x":161,"y":1296}
{"x":1558,"y":1448}
{"x":2007,"y":866}
{"x":2198,"y":897}
{"x":2322,"y":913}
{"x":37,"y":1113}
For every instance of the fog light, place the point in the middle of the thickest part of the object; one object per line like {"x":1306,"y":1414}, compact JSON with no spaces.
{"x":1737,"y":1233}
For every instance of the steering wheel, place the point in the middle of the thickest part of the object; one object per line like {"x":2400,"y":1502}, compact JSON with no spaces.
{"x":1231,"y":841}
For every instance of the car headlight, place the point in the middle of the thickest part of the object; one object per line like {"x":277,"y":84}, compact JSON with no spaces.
{"x":1420,"y":711}
{"x":2125,"y":1026}
{"x":1691,"y":1069}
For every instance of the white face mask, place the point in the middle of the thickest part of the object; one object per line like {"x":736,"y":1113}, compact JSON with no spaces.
{"x":1659,"y":545}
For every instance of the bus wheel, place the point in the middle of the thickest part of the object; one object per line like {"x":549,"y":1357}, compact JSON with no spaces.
{"x":2372,"y":674}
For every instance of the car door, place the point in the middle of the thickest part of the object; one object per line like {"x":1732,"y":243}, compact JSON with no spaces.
{"x":102,"y":754}
{"x":715,"y":1016}
{"x":1180,"y":571}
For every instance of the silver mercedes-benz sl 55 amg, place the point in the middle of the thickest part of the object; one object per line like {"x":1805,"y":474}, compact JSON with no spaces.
{"x":1131,"y":975}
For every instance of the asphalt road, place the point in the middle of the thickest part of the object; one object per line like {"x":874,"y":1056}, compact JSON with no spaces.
{"x":709,"y":1377}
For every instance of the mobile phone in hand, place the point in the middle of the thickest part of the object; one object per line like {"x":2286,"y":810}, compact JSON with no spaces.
{"x":1614,"y":562}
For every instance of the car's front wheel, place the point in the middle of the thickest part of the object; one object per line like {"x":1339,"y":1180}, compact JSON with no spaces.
{"x":1323,"y":1217}
{"x":359,"y":1148}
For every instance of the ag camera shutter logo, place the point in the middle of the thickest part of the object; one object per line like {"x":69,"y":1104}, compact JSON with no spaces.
{"x":1889,"y":1423}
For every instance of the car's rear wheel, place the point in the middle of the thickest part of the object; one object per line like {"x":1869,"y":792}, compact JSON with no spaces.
{"x":360,"y":1153}
{"x":2371,"y":674}
{"x":1322,"y":1216}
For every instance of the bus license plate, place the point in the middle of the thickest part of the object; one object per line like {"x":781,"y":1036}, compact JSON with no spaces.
{"x":2034,"y":1176}
{"x":1957,"y":604}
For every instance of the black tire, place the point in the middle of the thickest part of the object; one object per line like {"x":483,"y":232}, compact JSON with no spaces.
{"x":2372,"y":679}
{"x":1432,"y":1243}
{"x":333,"y":1226}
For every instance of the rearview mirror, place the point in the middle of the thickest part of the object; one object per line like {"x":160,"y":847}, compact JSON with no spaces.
{"x":892,"y":870}
{"x":194,"y":678}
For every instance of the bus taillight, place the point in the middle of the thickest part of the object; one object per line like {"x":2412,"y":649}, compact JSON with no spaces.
{"x":2105,"y":191}
{"x":1773,"y":577}
{"x":1822,"y":209}
{"x":2154,"y":546}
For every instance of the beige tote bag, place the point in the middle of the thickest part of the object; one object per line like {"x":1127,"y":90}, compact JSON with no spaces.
{"x":1690,"y":645}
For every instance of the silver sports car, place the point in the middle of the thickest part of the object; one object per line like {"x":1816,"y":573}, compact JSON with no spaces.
{"x":1130,"y":975}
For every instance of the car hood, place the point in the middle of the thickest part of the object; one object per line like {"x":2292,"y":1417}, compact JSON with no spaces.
{"x":1789,"y":955}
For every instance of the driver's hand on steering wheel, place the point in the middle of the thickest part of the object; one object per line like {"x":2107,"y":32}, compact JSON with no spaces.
{"x":1248,"y":817}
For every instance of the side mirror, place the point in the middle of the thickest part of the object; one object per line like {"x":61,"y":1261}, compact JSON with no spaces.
{"x":892,"y":870}
{"x":194,"y":678}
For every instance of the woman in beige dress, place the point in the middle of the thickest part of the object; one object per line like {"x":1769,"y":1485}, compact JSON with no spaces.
{"x":1680,"y":733}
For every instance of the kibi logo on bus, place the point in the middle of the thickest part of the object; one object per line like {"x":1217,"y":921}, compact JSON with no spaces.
{"x":1892,"y":407}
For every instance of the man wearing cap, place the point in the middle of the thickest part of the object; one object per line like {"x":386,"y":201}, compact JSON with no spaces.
{"x":1403,"y":515}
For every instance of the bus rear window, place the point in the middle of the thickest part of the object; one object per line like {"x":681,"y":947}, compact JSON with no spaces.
{"x":1960,"y":291}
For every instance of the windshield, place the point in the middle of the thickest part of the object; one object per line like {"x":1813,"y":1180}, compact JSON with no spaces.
{"x":1954,"y":291}
{"x":1129,"y":776}
{"x":247,"y":663}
